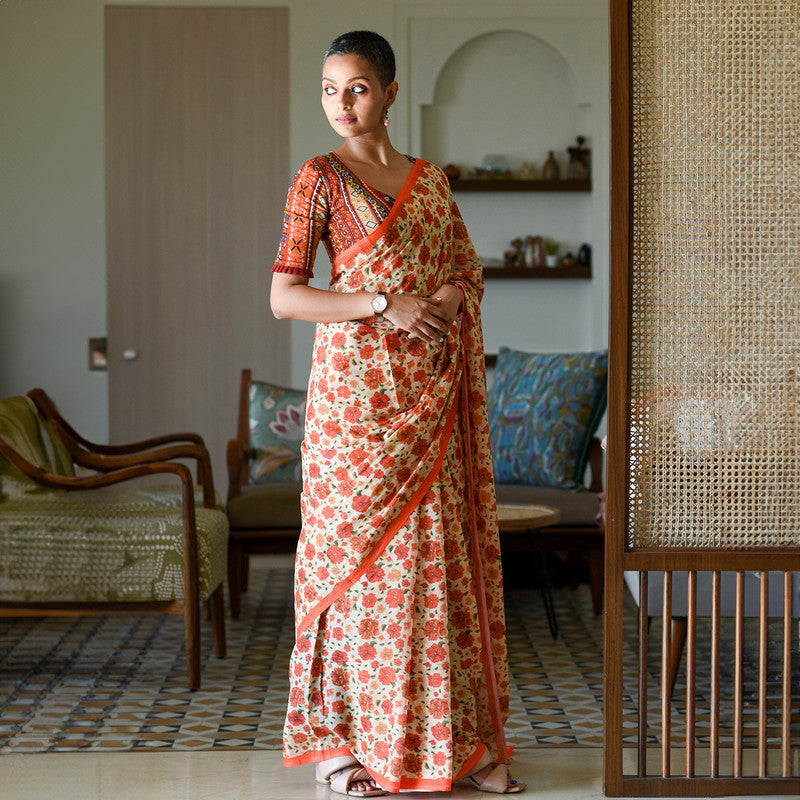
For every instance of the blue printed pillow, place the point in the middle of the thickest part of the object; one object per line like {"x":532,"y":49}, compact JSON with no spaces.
{"x":277,"y":418}
{"x":544,"y":409}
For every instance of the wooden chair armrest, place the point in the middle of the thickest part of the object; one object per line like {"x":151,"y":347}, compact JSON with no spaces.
{"x":595,"y":466}
{"x":109,"y":463}
{"x":113,"y":476}
{"x":48,"y":410}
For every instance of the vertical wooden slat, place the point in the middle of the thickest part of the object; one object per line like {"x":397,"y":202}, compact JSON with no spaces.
{"x":643,"y":616}
{"x":763,"y":610}
{"x":786,"y":693}
{"x":691,"y":645}
{"x":737,"y":675}
{"x":666,"y":649}
{"x":715,"y":633}
{"x":619,"y":337}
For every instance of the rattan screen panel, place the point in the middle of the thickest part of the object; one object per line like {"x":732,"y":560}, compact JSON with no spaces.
{"x":715,"y":334}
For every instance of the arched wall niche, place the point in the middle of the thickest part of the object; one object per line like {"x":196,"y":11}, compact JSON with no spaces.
{"x":431,"y":40}
{"x":506,"y":90}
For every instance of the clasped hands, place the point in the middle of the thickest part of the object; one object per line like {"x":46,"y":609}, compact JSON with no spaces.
{"x":425,"y":318}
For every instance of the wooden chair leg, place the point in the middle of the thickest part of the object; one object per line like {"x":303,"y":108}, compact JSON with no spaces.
{"x":217,"y":608}
{"x":235,"y":577}
{"x":245,"y":571}
{"x":597,"y":578}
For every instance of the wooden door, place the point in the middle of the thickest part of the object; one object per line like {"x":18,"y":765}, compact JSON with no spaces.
{"x":704,"y":429}
{"x":196,"y":170}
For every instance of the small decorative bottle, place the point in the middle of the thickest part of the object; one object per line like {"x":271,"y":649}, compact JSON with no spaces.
{"x":538,"y":252}
{"x":529,"y":251}
{"x":550,"y":170}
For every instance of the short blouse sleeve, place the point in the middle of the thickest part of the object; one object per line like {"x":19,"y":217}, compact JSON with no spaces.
{"x":304,"y":222}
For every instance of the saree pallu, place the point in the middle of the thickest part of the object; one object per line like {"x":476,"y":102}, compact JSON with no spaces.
{"x":400,"y":655}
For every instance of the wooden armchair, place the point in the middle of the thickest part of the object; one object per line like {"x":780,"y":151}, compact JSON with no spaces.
{"x":72,"y":544}
{"x":264,"y":485}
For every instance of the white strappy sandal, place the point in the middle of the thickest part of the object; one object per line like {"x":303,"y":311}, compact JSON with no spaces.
{"x":342,"y":772}
{"x":498,"y":781}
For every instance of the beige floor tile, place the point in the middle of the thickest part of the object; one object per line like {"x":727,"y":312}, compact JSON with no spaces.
{"x":551,"y":774}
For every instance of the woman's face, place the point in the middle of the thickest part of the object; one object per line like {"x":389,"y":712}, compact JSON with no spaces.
{"x":352,"y":97}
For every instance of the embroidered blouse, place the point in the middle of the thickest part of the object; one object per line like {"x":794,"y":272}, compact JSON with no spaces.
{"x":326,"y":202}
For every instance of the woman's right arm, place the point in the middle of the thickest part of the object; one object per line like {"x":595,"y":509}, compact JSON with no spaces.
{"x":292,"y":298}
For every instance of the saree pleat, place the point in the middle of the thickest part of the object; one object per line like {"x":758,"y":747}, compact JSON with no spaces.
{"x":400,"y":651}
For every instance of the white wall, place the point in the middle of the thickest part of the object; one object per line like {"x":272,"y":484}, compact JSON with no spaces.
{"x":52,"y":225}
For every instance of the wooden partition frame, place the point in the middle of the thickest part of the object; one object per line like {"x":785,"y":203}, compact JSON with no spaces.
{"x":621,"y":557}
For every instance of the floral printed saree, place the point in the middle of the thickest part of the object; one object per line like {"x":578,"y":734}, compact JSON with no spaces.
{"x":400,"y":655}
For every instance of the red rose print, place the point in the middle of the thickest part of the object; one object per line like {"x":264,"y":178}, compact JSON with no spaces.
{"x":352,"y":414}
{"x":339,"y":657}
{"x":340,"y":362}
{"x":381,"y":750}
{"x":436,"y":653}
{"x":440,"y":732}
{"x":335,"y":554}
{"x":386,"y":675}
{"x":379,"y":400}
{"x":331,"y":428}
{"x":296,"y":718}
{"x":439,"y":707}
{"x":373,"y":378}
{"x":366,"y":652}
{"x":357,"y":456}
{"x":394,"y":598}
{"x":361,"y":503}
{"x":368,"y":627}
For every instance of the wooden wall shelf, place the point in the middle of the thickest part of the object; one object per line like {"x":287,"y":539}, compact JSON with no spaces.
{"x":546,"y":273}
{"x":520,"y":185}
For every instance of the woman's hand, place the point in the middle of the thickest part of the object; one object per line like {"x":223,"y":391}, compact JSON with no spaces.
{"x":426,"y":318}
{"x":420,"y":317}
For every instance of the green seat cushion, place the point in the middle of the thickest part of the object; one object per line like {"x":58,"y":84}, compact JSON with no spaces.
{"x":63,"y":549}
{"x":578,"y":508}
{"x":267,"y":505}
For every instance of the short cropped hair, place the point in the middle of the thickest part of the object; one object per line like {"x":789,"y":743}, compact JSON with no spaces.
{"x":370,"y":46}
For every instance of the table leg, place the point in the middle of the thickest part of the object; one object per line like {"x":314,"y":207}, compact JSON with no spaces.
{"x":544,"y":586}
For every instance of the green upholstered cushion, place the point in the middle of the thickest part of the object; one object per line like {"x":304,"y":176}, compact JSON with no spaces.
{"x":20,"y":428}
{"x":268,"y":505}
{"x":578,"y":508}
{"x":60,"y":459}
{"x":62,"y":549}
{"x":277,"y":417}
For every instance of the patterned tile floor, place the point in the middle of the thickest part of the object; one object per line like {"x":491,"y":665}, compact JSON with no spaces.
{"x":116,"y":684}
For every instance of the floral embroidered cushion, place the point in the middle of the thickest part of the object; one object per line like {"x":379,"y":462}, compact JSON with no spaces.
{"x":544,"y":409}
{"x":276,"y":416}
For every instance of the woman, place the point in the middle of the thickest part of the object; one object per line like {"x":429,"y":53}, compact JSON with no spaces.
{"x":398,"y":674}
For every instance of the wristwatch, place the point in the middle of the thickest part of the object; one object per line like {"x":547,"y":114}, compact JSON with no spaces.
{"x":379,"y":303}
